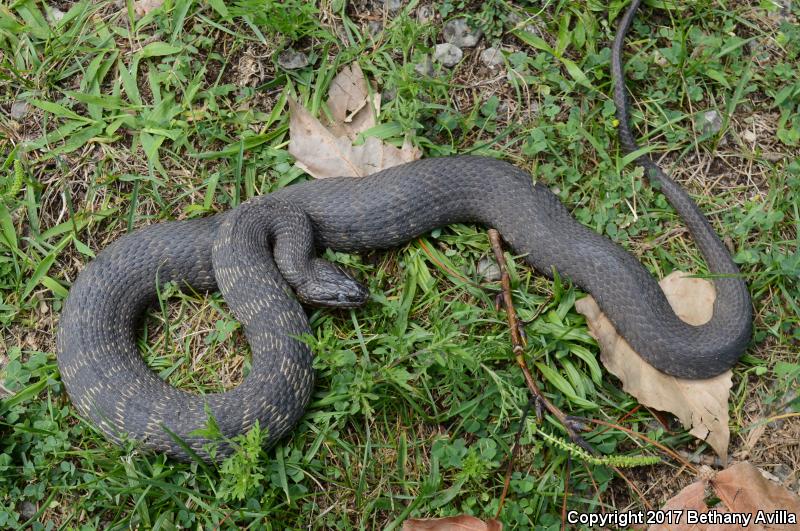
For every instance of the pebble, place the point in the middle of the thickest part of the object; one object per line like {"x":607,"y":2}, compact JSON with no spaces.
{"x":458,"y":33}
{"x":492,"y":57}
{"x":27,"y":510}
{"x":532,"y":25}
{"x":424,"y":68}
{"x":447,"y":54}
{"x":710,"y":123}
{"x":488,"y":270}
{"x":389,"y":94}
{"x":783,"y":471}
{"x":54,"y":15}
{"x":375,"y":27}
{"x":19,"y":109}
{"x":425,"y":13}
{"x":291,"y":59}
{"x":393,"y":5}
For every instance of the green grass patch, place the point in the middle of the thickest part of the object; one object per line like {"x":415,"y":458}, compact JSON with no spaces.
{"x":121,"y":121}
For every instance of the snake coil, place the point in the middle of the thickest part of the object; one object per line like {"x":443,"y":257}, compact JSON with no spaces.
{"x":256,"y":253}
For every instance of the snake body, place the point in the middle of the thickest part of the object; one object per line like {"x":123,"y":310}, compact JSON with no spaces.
{"x":258,"y":252}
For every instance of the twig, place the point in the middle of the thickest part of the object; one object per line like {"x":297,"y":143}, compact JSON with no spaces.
{"x":518,"y":343}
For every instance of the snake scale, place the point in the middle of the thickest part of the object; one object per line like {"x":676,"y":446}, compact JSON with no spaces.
{"x":260,"y":255}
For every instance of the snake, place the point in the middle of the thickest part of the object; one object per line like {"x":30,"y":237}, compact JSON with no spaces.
{"x":262,"y":257}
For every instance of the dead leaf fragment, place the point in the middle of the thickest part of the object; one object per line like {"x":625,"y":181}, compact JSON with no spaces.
{"x":743,"y":490}
{"x":352,"y":109}
{"x":691,"y":498}
{"x":701,"y":405}
{"x":452,"y":523}
{"x":327,"y":150}
{"x":322,"y":154}
{"x":143,"y":7}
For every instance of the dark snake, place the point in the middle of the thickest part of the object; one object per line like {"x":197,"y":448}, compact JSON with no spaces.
{"x":256,"y":253}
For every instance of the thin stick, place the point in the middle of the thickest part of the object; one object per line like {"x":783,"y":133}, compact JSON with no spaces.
{"x":518,"y":344}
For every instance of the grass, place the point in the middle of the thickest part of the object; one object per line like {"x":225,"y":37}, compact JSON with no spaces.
{"x":181,"y":113}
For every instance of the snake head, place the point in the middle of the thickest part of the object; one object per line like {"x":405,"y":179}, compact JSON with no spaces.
{"x":330,"y":286}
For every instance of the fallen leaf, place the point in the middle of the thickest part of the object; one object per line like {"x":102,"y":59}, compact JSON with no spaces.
{"x":742,"y":490}
{"x":452,"y":523}
{"x":701,"y":405}
{"x":327,"y":150}
{"x":143,"y":7}
{"x":691,"y":498}
{"x":322,"y":154}
{"x":352,"y":109}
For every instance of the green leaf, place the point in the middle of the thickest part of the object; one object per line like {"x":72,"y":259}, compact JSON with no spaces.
{"x":128,"y":78}
{"x":55,"y":136}
{"x":80,"y":139}
{"x":220,"y":7}
{"x":9,"y":234}
{"x":58,"y":110}
{"x":158,"y":49}
{"x":535,"y":41}
{"x":83,"y":248}
{"x":54,"y":286}
{"x":39,"y":273}
{"x":717,"y":76}
{"x":26,"y":394}
{"x":107,"y":102}
{"x":560,"y":383}
{"x":564,"y":35}
{"x":576,"y":73}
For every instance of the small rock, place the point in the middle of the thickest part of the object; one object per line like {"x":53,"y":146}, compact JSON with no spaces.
{"x":783,"y":471}
{"x":488,"y":269}
{"x":532,"y":25}
{"x":375,"y":27}
{"x":425,"y":68}
{"x":19,"y":109}
{"x":710,"y":123}
{"x":425,"y":13}
{"x":502,"y":108}
{"x":388,"y":94}
{"x":457,"y":32}
{"x":447,"y":54}
{"x":393,"y":6}
{"x":54,"y":15}
{"x":291,"y":59}
{"x":27,"y":510}
{"x":492,"y":57}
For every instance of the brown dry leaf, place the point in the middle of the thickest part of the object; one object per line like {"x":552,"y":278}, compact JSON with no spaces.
{"x":743,"y":490}
{"x":701,"y":405}
{"x":327,"y":150}
{"x":691,"y":498}
{"x":349,"y":103}
{"x":452,"y":523}
{"x":143,"y":7}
